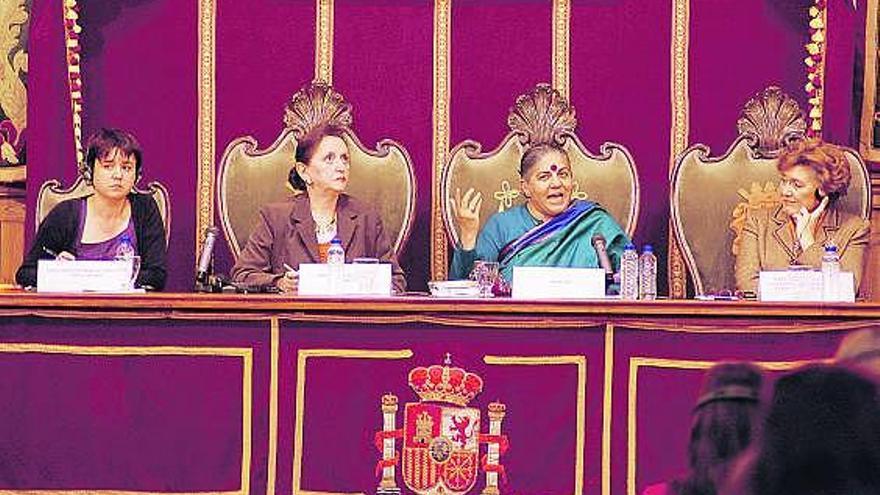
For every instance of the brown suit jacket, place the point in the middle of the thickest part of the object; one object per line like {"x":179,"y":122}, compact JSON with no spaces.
{"x":768,"y":243}
{"x":286,"y":234}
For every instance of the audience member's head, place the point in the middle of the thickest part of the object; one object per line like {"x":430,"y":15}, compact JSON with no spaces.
{"x":821,"y":436}
{"x":861,"y":349}
{"x":723,"y":423}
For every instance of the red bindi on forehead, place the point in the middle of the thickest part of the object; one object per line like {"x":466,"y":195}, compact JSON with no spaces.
{"x":554,"y":167}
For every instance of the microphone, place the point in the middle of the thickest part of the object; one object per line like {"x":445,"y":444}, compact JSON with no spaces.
{"x":206,"y":255}
{"x":598,"y":241}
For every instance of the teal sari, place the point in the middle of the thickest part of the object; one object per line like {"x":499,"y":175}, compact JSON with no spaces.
{"x":565,"y":241}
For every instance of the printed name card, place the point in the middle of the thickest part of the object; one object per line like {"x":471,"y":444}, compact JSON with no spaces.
{"x":321,"y":279}
{"x":539,"y":282}
{"x":805,"y":286}
{"x":84,"y":276}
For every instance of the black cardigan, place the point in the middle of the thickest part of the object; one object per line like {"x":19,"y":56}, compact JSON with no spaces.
{"x":58,"y":233}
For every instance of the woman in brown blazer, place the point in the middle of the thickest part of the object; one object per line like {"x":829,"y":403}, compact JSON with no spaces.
{"x":300,"y":229}
{"x":814,"y":175}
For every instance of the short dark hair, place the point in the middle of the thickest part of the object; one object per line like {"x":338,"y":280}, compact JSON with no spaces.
{"x":305,"y":149}
{"x":101,"y":142}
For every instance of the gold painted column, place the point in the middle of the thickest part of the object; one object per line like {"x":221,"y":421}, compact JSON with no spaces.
{"x":561,"y":45}
{"x":324,"y":41}
{"x":678,"y":138}
{"x":207,"y":116}
{"x":440,"y":138}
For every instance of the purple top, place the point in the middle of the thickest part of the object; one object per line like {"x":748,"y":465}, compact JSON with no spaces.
{"x":104,"y":250}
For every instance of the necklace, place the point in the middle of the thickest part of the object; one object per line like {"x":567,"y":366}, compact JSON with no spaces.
{"x":324,"y":227}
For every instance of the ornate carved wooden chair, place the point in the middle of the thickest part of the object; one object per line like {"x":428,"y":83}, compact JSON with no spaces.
{"x":710,"y":196}
{"x":250,"y":178}
{"x":609,"y":178}
{"x":51,"y":193}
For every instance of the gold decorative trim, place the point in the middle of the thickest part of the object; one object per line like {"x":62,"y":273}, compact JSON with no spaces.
{"x":440,"y":139}
{"x":73,"y":59}
{"x":324,"y":41}
{"x":301,"y":359}
{"x":637,"y":362}
{"x":246,"y":354}
{"x":581,"y":363}
{"x":714,"y":328}
{"x":105,"y":492}
{"x":869,"y":96}
{"x":607,"y":409}
{"x":815,"y":62}
{"x":207,"y":117}
{"x":561,"y":45}
{"x":272,"y":461}
{"x":677,"y":277}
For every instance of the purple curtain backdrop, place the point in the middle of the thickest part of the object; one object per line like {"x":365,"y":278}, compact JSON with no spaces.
{"x":620,"y":85}
{"x":131,"y":423}
{"x":382,"y":54}
{"x":139,"y":61}
{"x":265,"y":53}
{"x":51,"y":154}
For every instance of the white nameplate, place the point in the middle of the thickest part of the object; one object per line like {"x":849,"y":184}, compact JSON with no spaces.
{"x":321,"y":279}
{"x":804,"y":286}
{"x":540,"y":282}
{"x":84,"y":276}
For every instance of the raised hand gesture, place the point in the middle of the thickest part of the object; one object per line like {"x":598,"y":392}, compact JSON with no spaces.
{"x":467,"y":214}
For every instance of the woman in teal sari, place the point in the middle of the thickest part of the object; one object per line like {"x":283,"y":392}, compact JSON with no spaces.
{"x":549,"y":229}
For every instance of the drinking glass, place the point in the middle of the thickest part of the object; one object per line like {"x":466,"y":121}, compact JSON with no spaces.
{"x":486,"y":274}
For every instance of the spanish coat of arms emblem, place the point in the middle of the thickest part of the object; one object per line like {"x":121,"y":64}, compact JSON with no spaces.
{"x":441,"y":436}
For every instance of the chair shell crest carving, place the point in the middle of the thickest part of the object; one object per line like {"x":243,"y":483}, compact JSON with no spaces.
{"x":710,"y":196}
{"x":540,"y":116}
{"x":51,"y":193}
{"x":250,"y":177}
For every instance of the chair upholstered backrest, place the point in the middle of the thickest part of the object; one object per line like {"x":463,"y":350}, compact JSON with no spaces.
{"x":250,"y":178}
{"x":609,"y":179}
{"x":51,"y":193}
{"x":541,"y":116}
{"x":710,"y":196}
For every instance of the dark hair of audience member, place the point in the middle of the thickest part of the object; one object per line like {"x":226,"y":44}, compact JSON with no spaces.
{"x":724,"y":419}
{"x":821,"y":436}
{"x":305,"y":149}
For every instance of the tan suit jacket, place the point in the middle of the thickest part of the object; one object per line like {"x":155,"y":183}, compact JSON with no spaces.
{"x":768,"y":243}
{"x":286,"y":234}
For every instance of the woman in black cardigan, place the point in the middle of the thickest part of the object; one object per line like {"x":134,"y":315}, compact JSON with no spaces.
{"x":93,"y":227}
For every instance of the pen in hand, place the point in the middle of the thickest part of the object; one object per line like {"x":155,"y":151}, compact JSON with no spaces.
{"x":63,"y":255}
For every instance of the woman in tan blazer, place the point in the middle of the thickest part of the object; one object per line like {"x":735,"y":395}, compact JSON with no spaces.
{"x":814,"y":175}
{"x":300,"y":230}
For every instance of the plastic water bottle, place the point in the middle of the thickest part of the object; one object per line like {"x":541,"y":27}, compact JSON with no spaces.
{"x":335,"y":253}
{"x":629,"y":273}
{"x":830,"y":270}
{"x":125,"y":249}
{"x":336,"y":260}
{"x":648,"y":274}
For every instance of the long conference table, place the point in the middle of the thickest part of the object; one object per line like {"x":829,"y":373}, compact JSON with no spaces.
{"x":266,"y":394}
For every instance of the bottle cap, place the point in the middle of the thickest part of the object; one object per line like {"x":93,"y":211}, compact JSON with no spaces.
{"x":830,"y":248}
{"x":647,"y":248}
{"x":630,"y":245}
{"x":125,"y":238}
{"x":336,"y":240}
